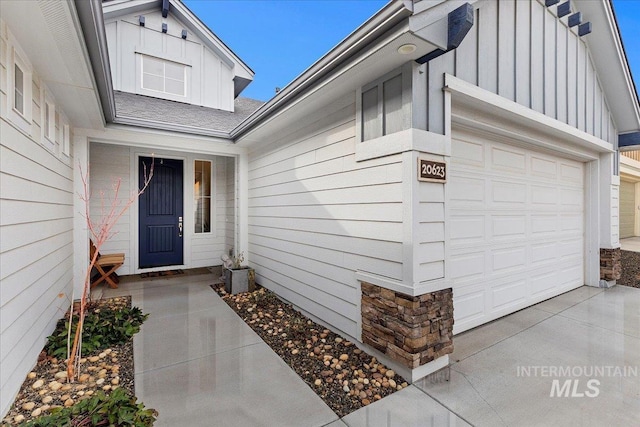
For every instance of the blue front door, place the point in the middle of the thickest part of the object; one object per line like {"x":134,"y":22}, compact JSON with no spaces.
{"x":161,"y":214}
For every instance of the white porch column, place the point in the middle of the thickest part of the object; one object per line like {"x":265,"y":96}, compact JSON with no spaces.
{"x":242,"y":223}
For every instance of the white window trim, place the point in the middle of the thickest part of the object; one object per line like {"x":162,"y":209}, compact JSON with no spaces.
{"x":405,"y":71}
{"x":23,"y":120}
{"x":160,"y":94}
{"x":48,"y":135}
{"x":213,"y":229}
{"x":65,"y":139}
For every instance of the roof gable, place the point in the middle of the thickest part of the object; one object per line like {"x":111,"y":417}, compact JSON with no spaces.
{"x":180,"y":15}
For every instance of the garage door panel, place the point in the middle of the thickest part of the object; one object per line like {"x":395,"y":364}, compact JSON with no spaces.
{"x":467,"y":190}
{"x":571,"y":199}
{"x":544,"y":253}
{"x":542,"y":284}
{"x":505,"y":194}
{"x":506,"y":160}
{"x":510,"y":294}
{"x":469,"y":153}
{"x":543,"y":196}
{"x":508,"y":259}
{"x":544,"y":167}
{"x":467,"y":229}
{"x":470,"y":306}
{"x":468,"y":265}
{"x":521,"y":240}
{"x":571,"y":173}
{"x":544,"y":225}
{"x":508,"y":226}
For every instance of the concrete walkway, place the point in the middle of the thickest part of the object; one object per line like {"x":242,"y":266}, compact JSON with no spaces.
{"x":630,"y":244}
{"x":199,"y":364}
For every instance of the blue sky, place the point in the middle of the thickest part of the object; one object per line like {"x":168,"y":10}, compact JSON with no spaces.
{"x":280,"y":39}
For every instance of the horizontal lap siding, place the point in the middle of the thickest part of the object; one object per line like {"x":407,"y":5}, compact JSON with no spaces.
{"x":522,"y":51}
{"x":36,"y":250}
{"x":108,"y":163}
{"x":316,"y":216}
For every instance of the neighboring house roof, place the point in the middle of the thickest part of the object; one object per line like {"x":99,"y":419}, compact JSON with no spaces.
{"x":177,"y":114}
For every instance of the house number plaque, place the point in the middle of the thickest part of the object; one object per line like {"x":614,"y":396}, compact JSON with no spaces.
{"x":431,"y":171}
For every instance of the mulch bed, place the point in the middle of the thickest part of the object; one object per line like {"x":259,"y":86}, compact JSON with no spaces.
{"x":343,"y":376}
{"x":630,"y":269}
{"x":46,"y":386}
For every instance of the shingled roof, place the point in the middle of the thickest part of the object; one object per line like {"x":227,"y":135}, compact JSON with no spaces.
{"x":155,"y":110}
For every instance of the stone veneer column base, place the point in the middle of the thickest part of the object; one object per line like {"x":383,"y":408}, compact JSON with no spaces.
{"x":610,"y":264}
{"x":412,"y":331}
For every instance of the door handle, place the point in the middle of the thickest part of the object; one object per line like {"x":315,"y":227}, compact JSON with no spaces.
{"x":179,"y":226}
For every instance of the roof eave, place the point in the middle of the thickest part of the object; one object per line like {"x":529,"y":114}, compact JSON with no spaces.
{"x":92,"y":24}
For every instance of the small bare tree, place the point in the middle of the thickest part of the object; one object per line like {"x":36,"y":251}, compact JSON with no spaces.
{"x":101,"y":230}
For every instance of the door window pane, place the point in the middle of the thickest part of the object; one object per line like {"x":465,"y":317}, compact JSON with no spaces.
{"x":202,"y":194}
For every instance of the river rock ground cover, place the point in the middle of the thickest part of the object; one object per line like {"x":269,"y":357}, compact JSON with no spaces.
{"x":46,"y":386}
{"x":343,"y":376}
{"x":630,"y":269}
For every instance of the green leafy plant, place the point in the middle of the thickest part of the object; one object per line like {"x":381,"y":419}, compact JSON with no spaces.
{"x":103,"y":328}
{"x":115,"y":409}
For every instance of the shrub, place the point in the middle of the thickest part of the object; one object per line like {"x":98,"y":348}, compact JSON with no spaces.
{"x":103,"y":328}
{"x":116,"y":409}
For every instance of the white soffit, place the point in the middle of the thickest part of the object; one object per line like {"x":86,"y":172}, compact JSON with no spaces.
{"x":50,"y":35}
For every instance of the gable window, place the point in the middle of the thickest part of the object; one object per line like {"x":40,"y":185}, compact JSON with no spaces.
{"x":202,"y":196}
{"x":18,"y":89}
{"x":382,"y":110}
{"x":163,"y":76}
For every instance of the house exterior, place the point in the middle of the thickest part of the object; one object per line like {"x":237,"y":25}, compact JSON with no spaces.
{"x":447,"y":164}
{"x":629,"y":194}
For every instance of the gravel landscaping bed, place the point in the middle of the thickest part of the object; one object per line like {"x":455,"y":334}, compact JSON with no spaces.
{"x":630,"y":269}
{"x":46,"y":386}
{"x":343,"y":376}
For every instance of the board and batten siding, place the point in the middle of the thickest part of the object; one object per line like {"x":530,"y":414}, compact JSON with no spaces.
{"x":110,"y":162}
{"x":36,"y":233}
{"x":316,"y":216}
{"x":521,"y":50}
{"x":209,"y":79}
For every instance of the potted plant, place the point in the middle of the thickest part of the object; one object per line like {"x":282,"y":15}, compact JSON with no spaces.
{"x":237,"y":277}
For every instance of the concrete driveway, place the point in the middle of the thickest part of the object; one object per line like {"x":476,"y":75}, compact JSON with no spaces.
{"x":571,"y":360}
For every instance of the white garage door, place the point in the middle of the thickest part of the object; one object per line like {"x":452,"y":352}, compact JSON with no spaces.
{"x":627,"y":209}
{"x":516,"y":228}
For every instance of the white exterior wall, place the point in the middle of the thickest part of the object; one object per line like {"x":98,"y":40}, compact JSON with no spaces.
{"x":231,"y":197}
{"x":316,"y":216}
{"x":521,"y":51}
{"x":110,"y":162}
{"x":209,"y":78}
{"x":36,"y":229}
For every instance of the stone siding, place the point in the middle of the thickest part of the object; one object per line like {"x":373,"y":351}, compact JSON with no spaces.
{"x":610,"y":264}
{"x":410,"y":330}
